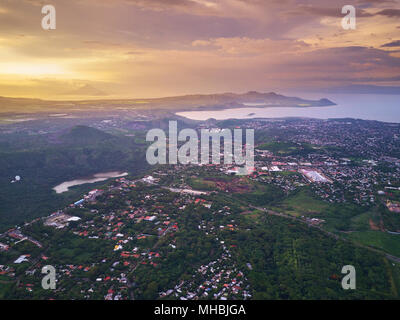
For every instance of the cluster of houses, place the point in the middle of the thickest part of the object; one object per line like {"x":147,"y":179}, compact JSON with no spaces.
{"x":116,"y":226}
{"x":15,"y":236}
{"x":220,"y":279}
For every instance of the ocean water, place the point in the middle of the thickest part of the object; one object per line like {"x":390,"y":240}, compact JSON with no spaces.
{"x":379,"y":107}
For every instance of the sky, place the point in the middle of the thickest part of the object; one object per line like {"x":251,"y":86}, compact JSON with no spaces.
{"x":105,"y":49}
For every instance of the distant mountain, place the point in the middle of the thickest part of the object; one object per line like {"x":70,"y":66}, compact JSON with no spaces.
{"x":172,"y":104}
{"x":238,"y":100}
{"x":325,"y":102}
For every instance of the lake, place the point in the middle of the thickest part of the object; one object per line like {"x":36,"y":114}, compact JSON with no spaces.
{"x":64,"y":187}
{"x":380,"y":107}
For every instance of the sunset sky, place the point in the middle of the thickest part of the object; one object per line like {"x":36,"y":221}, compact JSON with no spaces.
{"x":153,"y":48}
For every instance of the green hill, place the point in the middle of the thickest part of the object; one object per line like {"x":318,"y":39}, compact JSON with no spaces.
{"x":79,"y":152}
{"x":83,"y":135}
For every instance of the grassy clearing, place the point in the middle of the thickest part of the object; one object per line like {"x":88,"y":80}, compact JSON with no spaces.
{"x":253,"y":217}
{"x":286,"y":173}
{"x":361,"y":221}
{"x":280,"y":147}
{"x":302,"y":203}
{"x":287,"y":148}
{"x":389,"y":243}
{"x":201,"y":184}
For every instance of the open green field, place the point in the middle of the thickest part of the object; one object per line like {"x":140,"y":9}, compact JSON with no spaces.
{"x":389,"y":243}
{"x":285,"y":173}
{"x":254,"y":216}
{"x":361,"y":221}
{"x":282,"y":148}
{"x":201,"y":184}
{"x":241,"y":188}
{"x":221,"y":182}
{"x":302,"y":203}
{"x":287,"y":148}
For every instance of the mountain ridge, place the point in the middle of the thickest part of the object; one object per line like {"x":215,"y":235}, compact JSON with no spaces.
{"x":175,"y":103}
